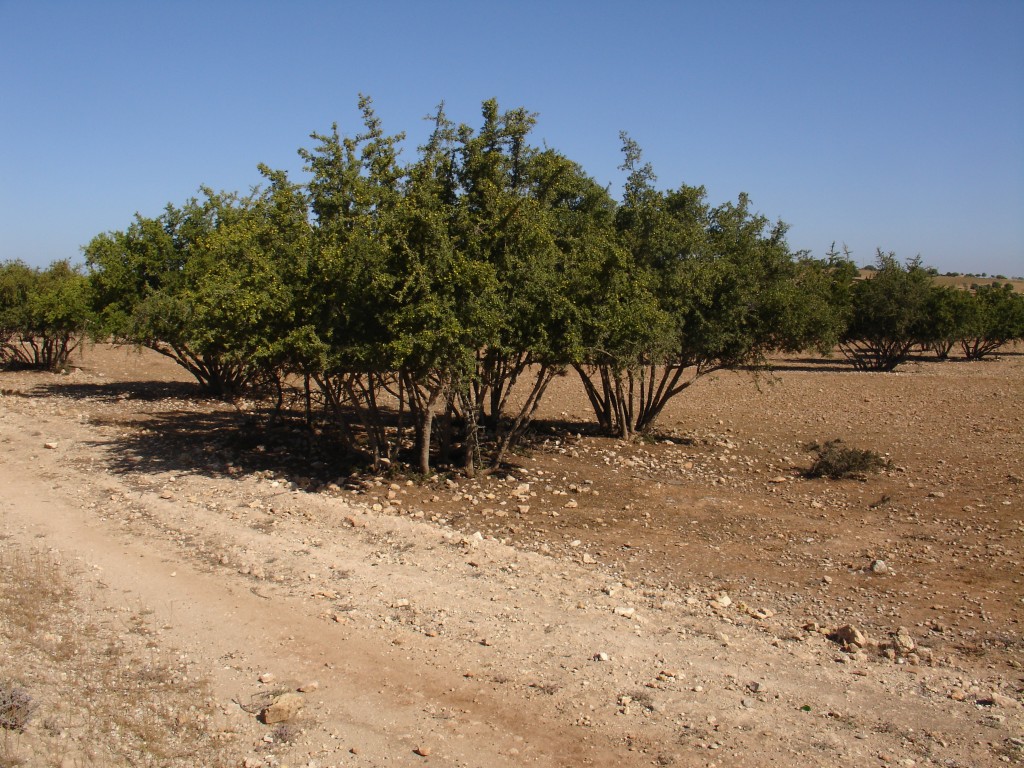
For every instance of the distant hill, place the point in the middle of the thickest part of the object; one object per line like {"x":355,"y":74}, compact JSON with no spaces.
{"x":965,"y":281}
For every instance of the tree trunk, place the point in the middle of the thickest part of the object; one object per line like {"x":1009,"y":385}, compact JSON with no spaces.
{"x":426,"y":419}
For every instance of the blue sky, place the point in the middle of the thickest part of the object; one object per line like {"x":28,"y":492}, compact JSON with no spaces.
{"x":892,"y":124}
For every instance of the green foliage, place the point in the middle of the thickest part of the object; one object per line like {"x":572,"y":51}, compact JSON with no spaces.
{"x":947,"y":312}
{"x":407,"y":293}
{"x":208,"y":284}
{"x":991,"y":317}
{"x":44,"y":314}
{"x":819,"y":303}
{"x":889,"y":314}
{"x":698,"y":289}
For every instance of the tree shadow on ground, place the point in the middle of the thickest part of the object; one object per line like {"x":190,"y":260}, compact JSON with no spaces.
{"x":802,"y":364}
{"x":148,"y":391}
{"x":227,"y":443}
{"x":189,"y":432}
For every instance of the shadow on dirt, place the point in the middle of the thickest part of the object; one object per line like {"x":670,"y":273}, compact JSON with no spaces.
{"x":805,"y":364}
{"x":189,"y":433}
{"x":838,"y":365}
{"x":227,"y":443}
{"x":147,"y":391}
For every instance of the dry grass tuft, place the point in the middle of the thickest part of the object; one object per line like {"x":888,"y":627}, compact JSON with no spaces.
{"x":16,"y":706}
{"x":104,"y":697}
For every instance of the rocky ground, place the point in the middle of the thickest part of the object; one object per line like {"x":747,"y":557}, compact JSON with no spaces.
{"x":179,"y":588}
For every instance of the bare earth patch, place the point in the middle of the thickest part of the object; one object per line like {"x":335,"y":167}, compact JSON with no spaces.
{"x":169,"y":576}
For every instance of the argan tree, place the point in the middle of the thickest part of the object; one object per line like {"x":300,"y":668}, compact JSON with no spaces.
{"x":889,"y":314}
{"x":44,"y":314}
{"x":203,"y":284}
{"x":992,"y":317}
{"x":700,"y":289}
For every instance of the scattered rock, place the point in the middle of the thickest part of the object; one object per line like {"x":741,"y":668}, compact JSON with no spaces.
{"x":848,"y":636}
{"x":879,"y":567}
{"x":284,"y":708}
{"x":902,"y":642}
{"x":267,"y":678}
{"x":721,"y":600}
{"x":995,"y":699}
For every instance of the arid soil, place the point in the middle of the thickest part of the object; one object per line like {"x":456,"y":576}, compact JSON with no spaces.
{"x":169,"y":571}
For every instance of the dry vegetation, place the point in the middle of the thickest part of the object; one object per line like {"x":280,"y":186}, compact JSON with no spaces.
{"x":92,"y":686}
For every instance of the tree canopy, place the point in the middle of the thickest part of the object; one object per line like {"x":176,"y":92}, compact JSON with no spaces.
{"x":426,"y":305}
{"x":44,"y":314}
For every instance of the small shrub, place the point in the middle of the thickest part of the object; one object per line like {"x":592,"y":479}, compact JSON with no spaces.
{"x":16,"y":707}
{"x":285,"y":733}
{"x":836,"y":461}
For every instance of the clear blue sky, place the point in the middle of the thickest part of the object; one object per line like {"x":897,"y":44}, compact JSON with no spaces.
{"x":892,"y":124}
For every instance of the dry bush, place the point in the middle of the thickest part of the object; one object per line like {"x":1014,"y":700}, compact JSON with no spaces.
{"x":837,"y":461}
{"x":16,"y":706}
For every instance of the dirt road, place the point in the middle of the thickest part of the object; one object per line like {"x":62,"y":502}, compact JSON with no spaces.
{"x":427,"y":629}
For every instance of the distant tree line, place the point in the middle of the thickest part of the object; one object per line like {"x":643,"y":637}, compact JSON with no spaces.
{"x":405,"y":301}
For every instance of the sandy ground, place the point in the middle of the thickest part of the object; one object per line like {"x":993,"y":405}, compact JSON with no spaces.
{"x":168,"y":573}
